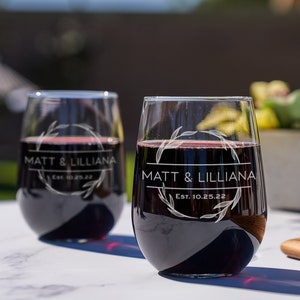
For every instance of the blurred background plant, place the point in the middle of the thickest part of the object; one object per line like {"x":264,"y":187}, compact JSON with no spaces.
{"x":276,"y":106}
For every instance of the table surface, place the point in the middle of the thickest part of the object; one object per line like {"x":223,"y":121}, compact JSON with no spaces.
{"x":115,"y":268}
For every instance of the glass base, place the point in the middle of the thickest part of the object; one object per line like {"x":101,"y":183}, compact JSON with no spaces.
{"x":195,"y":276}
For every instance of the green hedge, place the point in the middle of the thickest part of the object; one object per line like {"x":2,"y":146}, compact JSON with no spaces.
{"x":8,"y":178}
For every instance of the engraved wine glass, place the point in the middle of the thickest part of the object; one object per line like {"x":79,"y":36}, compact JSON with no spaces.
{"x":71,"y":179}
{"x":199,"y":206}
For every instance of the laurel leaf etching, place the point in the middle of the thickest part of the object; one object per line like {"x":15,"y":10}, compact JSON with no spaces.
{"x":174,"y":142}
{"x":91,"y":185}
{"x":170,"y":203}
{"x":52,"y":132}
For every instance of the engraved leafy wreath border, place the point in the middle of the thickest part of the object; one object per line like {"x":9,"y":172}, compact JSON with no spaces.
{"x":174,"y":143}
{"x":52,"y":132}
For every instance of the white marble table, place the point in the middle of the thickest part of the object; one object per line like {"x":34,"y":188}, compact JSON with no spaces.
{"x":115,"y":269}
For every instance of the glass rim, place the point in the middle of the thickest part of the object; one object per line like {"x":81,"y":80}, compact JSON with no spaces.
{"x":198,"y":98}
{"x":69,"y":94}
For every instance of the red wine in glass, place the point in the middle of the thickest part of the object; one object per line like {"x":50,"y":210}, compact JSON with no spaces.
{"x":175,"y":220}
{"x":71,"y":182}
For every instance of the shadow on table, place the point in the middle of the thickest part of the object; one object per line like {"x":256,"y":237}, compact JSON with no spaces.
{"x":256,"y":278}
{"x":252,"y":278}
{"x":120,"y":245}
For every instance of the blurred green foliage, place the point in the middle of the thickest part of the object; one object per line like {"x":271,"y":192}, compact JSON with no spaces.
{"x":8,"y":176}
{"x":130,"y":159}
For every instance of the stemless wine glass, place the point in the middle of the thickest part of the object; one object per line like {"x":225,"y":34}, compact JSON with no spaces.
{"x":199,"y":206}
{"x":71,"y":179}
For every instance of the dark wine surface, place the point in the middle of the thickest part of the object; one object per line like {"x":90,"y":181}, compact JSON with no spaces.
{"x":198,"y":206}
{"x":71,"y":187}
